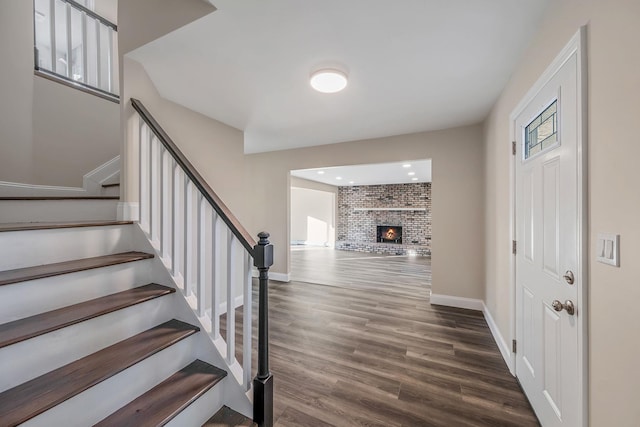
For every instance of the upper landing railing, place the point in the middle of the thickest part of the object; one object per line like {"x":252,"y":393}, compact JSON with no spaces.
{"x":76,"y":46}
{"x":209,"y":253}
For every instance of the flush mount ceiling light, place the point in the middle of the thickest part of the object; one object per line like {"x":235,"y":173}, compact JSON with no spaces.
{"x":320,"y":172}
{"x":328,"y":80}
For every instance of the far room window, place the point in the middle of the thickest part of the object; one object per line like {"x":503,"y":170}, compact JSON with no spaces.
{"x":542,"y":132}
{"x":75,"y":45}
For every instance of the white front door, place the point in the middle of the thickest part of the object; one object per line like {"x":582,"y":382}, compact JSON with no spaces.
{"x":547,"y":219}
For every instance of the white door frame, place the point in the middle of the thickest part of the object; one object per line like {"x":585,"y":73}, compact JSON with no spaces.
{"x":576,"y":45}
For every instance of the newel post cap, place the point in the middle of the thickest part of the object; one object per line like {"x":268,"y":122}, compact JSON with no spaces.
{"x":263,"y":251}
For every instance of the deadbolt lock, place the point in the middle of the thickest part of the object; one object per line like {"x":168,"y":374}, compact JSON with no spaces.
{"x":568,"y":276}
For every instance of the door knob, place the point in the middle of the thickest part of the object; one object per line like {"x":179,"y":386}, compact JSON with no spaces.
{"x":568,"y":276}
{"x":568,"y":305}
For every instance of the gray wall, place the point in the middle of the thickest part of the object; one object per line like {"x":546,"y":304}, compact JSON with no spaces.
{"x":614,"y":200}
{"x":49,"y":133}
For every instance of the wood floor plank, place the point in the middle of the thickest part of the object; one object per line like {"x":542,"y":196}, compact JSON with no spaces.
{"x":30,"y":327}
{"x":337,"y":351}
{"x":165,"y":401}
{"x":8,"y":277}
{"x":32,"y":398}
{"x":23,"y":226}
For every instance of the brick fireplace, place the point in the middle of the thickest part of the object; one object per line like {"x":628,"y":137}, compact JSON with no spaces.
{"x":364,"y":212}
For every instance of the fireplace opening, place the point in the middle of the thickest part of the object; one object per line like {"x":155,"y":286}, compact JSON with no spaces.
{"x":389,"y":234}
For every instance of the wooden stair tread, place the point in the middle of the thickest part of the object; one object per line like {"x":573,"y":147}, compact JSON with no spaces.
{"x":34,"y":397}
{"x":115,"y":184}
{"x":30,"y":327}
{"x":23,"y":226}
{"x":162,"y":403}
{"x":227,"y":417}
{"x":47,"y":270}
{"x":61,"y":198}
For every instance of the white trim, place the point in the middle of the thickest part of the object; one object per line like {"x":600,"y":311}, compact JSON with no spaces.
{"x":93,"y":180}
{"x":91,"y":184}
{"x":8,"y":189}
{"x":459,"y":302}
{"x":578,"y":46}
{"x":505,"y":350}
{"x":237,"y":302}
{"x":128,"y":211}
{"x":389,"y":209}
{"x":278,"y":277}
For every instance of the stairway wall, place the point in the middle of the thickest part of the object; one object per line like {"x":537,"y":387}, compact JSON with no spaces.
{"x":215,"y":149}
{"x":50,"y":134}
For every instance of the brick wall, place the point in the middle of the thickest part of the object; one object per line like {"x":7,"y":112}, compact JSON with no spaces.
{"x":356,"y":230}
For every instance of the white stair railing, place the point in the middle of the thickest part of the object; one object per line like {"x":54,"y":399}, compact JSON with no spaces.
{"x":209,"y":254}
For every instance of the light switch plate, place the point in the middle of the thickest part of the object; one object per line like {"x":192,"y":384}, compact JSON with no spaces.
{"x":608,"y":249}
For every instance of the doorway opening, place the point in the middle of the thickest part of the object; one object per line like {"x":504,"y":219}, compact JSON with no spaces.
{"x":379,"y":237}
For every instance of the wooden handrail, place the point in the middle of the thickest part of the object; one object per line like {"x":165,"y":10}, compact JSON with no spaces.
{"x":207,"y":192}
{"x":92,"y":14}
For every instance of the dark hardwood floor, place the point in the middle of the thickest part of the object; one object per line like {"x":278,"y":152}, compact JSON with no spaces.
{"x":403,"y":275}
{"x":371,"y":355}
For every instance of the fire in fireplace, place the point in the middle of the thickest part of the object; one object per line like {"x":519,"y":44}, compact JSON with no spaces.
{"x":389,"y":234}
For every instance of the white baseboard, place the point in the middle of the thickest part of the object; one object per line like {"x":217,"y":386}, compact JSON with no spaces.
{"x":106,"y":173}
{"x":91,"y":184}
{"x":458,"y":302}
{"x":9,"y":189}
{"x":238,"y":302}
{"x":278,"y":277}
{"x":504,"y":348}
{"x":128,"y":211}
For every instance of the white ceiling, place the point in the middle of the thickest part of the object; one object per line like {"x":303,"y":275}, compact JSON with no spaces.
{"x":413,"y":65}
{"x":372,"y":174}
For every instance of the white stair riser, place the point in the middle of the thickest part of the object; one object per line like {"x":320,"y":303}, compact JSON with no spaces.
{"x":105,"y":398}
{"x":36,"y":247}
{"x":202,"y":409}
{"x":34,"y":357}
{"x":57,"y":210}
{"x":24,"y":299}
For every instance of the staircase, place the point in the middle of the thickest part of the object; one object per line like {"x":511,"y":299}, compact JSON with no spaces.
{"x":93,"y":332}
{"x":91,"y":340}
{"x":113,"y":323}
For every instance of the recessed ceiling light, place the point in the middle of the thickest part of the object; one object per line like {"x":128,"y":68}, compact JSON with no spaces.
{"x":328,"y":81}
{"x":414,"y":179}
{"x":406,"y":165}
{"x":411,"y":173}
{"x":320,"y":172}
{"x":338,"y":178}
{"x":351,"y":182}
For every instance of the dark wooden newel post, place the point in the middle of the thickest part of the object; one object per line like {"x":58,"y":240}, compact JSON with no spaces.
{"x":263,"y":382}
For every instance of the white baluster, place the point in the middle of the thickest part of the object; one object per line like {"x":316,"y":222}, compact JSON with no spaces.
{"x":231,"y":314}
{"x":246,"y":321}
{"x":176,"y":239}
{"x":144,"y":179}
{"x":160,"y":196}
{"x":215,"y":275}
{"x":167,"y":192}
{"x":188,"y":237}
{"x":69,"y":49}
{"x":202,"y":255}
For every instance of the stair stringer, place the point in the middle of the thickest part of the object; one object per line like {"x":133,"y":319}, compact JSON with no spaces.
{"x":233,"y":394}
